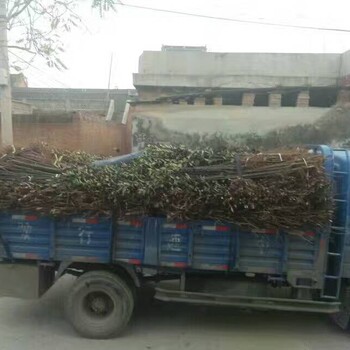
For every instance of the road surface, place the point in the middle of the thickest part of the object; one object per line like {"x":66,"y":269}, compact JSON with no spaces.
{"x":40,"y":324}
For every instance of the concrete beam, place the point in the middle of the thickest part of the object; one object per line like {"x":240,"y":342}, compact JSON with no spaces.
{"x":228,"y":81}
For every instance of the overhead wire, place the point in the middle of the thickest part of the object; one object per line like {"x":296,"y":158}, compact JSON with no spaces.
{"x":37,"y":79}
{"x":228,"y":19}
{"x":40,"y":70}
{"x":198,"y":15}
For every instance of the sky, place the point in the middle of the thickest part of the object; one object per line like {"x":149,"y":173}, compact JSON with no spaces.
{"x":125,"y":34}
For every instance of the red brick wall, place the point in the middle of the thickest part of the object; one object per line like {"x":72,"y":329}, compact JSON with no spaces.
{"x":99,"y":137}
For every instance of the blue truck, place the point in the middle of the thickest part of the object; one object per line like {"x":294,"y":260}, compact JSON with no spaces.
{"x":201,"y":262}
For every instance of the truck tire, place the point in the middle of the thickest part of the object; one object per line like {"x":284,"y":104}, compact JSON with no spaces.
{"x":99,"y":305}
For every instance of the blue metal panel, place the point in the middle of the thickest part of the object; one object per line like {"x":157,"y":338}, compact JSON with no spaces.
{"x":41,"y":238}
{"x":125,"y":159}
{"x":212,"y":246}
{"x":129,"y":241}
{"x":206,"y":245}
{"x":25,"y":236}
{"x":82,"y":239}
{"x":151,"y":232}
{"x":340,"y":239}
{"x":153,"y":242}
{"x":346,"y":261}
{"x":327,"y":153}
{"x":174,"y":238}
{"x":260,"y":252}
{"x":302,"y":252}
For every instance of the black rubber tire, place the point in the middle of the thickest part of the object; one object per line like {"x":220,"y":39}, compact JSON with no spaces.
{"x":85,"y":320}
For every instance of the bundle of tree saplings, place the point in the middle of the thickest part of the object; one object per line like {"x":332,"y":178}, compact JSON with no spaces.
{"x":285,"y":189}
{"x":34,"y":179}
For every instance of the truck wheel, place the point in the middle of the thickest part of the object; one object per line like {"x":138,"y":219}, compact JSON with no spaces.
{"x":99,"y":305}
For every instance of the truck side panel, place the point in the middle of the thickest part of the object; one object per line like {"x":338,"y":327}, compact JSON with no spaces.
{"x":83,"y":239}
{"x":199,"y":245}
{"x":25,"y":236}
{"x":214,"y":246}
{"x":30,"y":237}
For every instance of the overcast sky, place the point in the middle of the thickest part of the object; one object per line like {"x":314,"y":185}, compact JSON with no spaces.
{"x":130,"y":31}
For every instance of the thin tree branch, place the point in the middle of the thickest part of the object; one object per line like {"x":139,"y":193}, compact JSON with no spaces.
{"x":17,"y":13}
{"x":15,"y":5}
{"x":20,"y":48}
{"x":40,"y":26}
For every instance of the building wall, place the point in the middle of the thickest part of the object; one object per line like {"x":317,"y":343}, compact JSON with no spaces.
{"x":66,"y":100}
{"x":227,"y":119}
{"x":252,"y":64}
{"x":196,"y":70}
{"x":344,"y":76}
{"x":167,"y":123}
{"x":193,"y":82}
{"x":19,"y":107}
{"x":188,"y":92}
{"x":18,"y":80}
{"x":97,"y":137}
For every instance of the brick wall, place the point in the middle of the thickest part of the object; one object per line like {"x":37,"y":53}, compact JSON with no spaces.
{"x":65,"y":100}
{"x":98,"y":137}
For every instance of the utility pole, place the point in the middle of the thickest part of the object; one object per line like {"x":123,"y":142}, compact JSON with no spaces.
{"x":5,"y":86}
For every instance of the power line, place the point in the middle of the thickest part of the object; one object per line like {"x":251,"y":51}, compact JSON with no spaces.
{"x":40,"y":70}
{"x":39,"y":80}
{"x":227,"y":19}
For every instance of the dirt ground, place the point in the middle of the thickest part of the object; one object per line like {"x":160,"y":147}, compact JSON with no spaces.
{"x":40,"y":324}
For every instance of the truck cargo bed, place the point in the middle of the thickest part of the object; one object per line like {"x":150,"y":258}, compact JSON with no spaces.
{"x":156,"y":242}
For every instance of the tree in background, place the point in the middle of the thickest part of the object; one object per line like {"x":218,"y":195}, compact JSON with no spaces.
{"x":38,"y":25}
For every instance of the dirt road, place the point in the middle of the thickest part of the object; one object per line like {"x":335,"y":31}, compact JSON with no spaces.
{"x":33,"y":325}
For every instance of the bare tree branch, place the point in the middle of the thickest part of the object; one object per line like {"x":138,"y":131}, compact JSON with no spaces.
{"x":15,"y":5}
{"x":19,"y":11}
{"x":37,"y":26}
{"x":20,"y":48}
